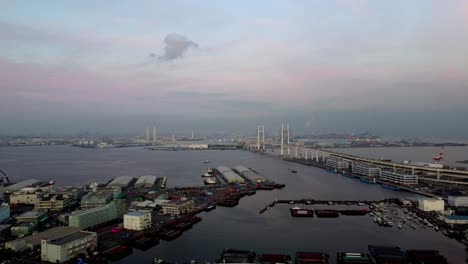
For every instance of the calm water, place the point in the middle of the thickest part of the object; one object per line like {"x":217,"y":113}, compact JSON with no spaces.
{"x":239,"y":227}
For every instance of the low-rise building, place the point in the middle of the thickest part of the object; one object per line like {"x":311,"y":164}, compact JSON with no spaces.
{"x":122,"y":181}
{"x":31,"y":216}
{"x":55,"y":202}
{"x":398,"y":177}
{"x":95,"y":216}
{"x":229,"y":175}
{"x":4,"y":212}
{"x":428,"y":205}
{"x":96,"y":199}
{"x":458,"y":201}
{"x":28,"y":195}
{"x":34,"y":241}
{"x":178,"y":207}
{"x":137,"y":220}
{"x":23,"y":229}
{"x":145,"y":181}
{"x":365,"y":170}
{"x":64,"y":248}
{"x":338,"y":164}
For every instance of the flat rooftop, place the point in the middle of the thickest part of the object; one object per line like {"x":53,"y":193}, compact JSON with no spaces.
{"x":30,"y":214}
{"x":52,"y":233}
{"x":70,"y":238}
{"x":136,"y":213}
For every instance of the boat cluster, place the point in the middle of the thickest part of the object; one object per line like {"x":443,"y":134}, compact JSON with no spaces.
{"x":388,"y":214}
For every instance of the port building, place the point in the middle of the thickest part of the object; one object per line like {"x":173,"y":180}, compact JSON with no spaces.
{"x":54,"y":202}
{"x":365,"y":170}
{"x":429,"y":205}
{"x":338,"y":164}
{"x":398,"y":177}
{"x":26,"y":195}
{"x":458,"y":201}
{"x":21,"y":185}
{"x":96,"y":199}
{"x":137,"y":220}
{"x":95,"y":216}
{"x":250,"y":174}
{"x":178,"y":207}
{"x":122,"y":181}
{"x":146,"y":181}
{"x":4,"y":212}
{"x":34,"y":241}
{"x":64,"y":248}
{"x":229,"y":175}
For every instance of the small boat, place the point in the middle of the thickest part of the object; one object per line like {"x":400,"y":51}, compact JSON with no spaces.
{"x":207,"y":161}
{"x":400,"y":226}
{"x":291,"y":202}
{"x":294,"y":171}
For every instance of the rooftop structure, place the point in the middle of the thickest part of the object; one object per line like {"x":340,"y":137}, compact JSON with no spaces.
{"x":250,"y":174}
{"x":96,"y":199}
{"x":55,"y":202}
{"x":229,"y":175}
{"x":145,"y":181}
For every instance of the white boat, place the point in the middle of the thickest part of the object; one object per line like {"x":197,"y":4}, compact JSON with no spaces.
{"x":207,"y":161}
{"x":209,"y":181}
{"x":400,"y":226}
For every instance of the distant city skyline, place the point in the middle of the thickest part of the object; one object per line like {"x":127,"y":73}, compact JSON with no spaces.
{"x":393,"y":68}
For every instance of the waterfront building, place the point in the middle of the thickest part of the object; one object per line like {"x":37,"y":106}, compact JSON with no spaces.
{"x":250,"y":174}
{"x":137,"y":220}
{"x":178,"y":207}
{"x":96,"y":199}
{"x":34,"y":241}
{"x":4,"y":212}
{"x":55,"y":202}
{"x":145,"y":181}
{"x":398,"y":177}
{"x":427,"y":204}
{"x":458,"y":201}
{"x":20,"y":185}
{"x":95,"y":216}
{"x":365,"y":170}
{"x":31,"y":216}
{"x":64,"y":248}
{"x":23,"y":229}
{"x":229,"y":175}
{"x":122,"y":181}
{"x":338,"y":164}
{"x":27,"y":195}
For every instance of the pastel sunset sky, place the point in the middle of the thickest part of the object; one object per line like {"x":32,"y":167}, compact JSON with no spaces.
{"x":392,"y":67}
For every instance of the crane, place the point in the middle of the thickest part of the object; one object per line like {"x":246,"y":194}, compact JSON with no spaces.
{"x":439,"y":158}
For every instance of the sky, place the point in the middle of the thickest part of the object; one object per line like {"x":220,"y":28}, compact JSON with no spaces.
{"x":396,"y":68}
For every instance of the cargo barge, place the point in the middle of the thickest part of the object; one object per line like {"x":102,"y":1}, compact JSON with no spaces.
{"x":327,"y":213}
{"x":311,"y":257}
{"x":210,"y":208}
{"x":229,"y":203}
{"x":299,"y":212}
{"x":237,"y":256}
{"x":331,"y":170}
{"x":274,"y":259}
{"x":387,"y":254}
{"x":353,"y":258}
{"x":354,"y":212}
{"x":145,"y":243}
{"x":118,"y":252}
{"x":390,"y":186}
{"x":169,"y":234}
{"x":425,"y":256}
{"x":349,"y":175}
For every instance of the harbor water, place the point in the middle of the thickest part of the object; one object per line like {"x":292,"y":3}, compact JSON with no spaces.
{"x":274,"y":231}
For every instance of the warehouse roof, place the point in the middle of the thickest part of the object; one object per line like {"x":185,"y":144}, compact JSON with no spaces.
{"x":122,"y":181}
{"x":146,"y":180}
{"x":70,"y":238}
{"x":52,"y":233}
{"x":20,"y":185}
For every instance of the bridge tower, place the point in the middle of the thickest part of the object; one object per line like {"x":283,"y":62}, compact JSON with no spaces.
{"x":261,"y":137}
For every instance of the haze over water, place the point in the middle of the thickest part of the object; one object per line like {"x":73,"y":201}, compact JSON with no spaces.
{"x":239,"y":227}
